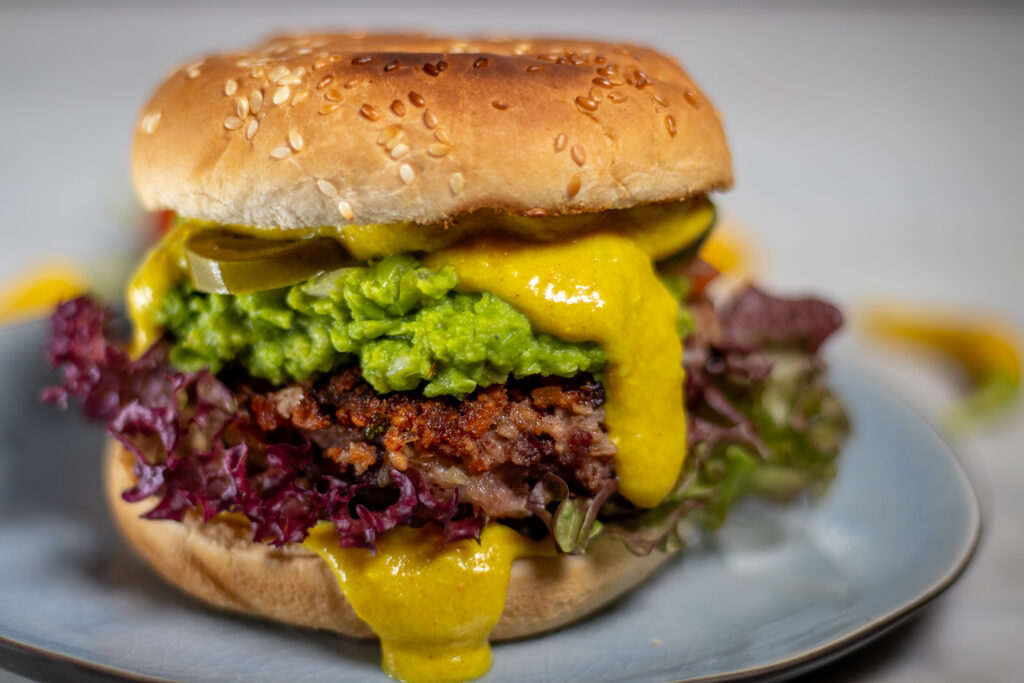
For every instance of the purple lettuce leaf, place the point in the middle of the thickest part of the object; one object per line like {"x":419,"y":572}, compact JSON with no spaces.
{"x":196,"y":449}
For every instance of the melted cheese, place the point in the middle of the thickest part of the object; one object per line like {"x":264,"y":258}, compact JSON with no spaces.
{"x":600,"y":288}
{"x":659,"y":230}
{"x":163,"y":269}
{"x":433,"y":610}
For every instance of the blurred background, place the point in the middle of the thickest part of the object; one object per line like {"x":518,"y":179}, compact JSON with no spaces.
{"x":877,"y":150}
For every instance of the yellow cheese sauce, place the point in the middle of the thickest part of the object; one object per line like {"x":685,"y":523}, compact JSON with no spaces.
{"x":433,"y":607}
{"x":600,"y":288}
{"x":35,"y":292}
{"x":659,"y":230}
{"x":161,"y":271}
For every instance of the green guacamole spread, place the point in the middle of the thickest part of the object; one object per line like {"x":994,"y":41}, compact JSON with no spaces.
{"x":402,"y":322}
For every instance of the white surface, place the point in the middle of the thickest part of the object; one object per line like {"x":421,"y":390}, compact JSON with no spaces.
{"x":878,"y":151}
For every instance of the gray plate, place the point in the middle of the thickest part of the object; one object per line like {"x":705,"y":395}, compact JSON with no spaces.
{"x":777,"y":591}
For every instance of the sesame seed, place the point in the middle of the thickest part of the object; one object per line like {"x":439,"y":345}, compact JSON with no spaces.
{"x":277,"y":73}
{"x":391,"y":66}
{"x":256,"y":101}
{"x":429,"y":120}
{"x":586,"y":103}
{"x":548,"y":58}
{"x":327,"y":188}
{"x":522,"y":48}
{"x":359,"y":61}
{"x":346,"y":210}
{"x":430,"y":69}
{"x":230,"y":87}
{"x":399,"y":151}
{"x":574,"y":186}
{"x":617,"y":98}
{"x":406,"y":173}
{"x":149,"y":122}
{"x":416,"y":99}
{"x":457,"y":183}
{"x":536,"y":213}
{"x":369,"y":112}
{"x":327,"y":108}
{"x":596,"y":94}
{"x":579,"y":155}
{"x":192,"y":72}
{"x":391,"y":136}
{"x":295,"y":140}
{"x":660,"y":100}
{"x":258,"y":72}
{"x":299,"y":96}
{"x":438,"y":149}
{"x":352,"y":82}
{"x":535,"y":67}
{"x":442,"y":135}
{"x":232,"y":123}
{"x":298,"y":72}
{"x":250,"y":130}
{"x":603,"y":82}
{"x":281,"y":152}
{"x":561,"y":141}
{"x":333,"y":94}
{"x":691,"y":99}
{"x":500,"y":106}
{"x":398,"y":108}
{"x":282,"y":95}
{"x":241,"y":107}
{"x":670,"y":124}
{"x":441,"y":66}
{"x":480,"y":62}
{"x":320,"y":63}
{"x":599,"y":59}
{"x":324,"y":82}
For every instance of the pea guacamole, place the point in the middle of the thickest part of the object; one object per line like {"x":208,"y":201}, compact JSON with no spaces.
{"x":402,"y":322}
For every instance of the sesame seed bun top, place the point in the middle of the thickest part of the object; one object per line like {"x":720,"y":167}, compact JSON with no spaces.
{"x":308,"y":130}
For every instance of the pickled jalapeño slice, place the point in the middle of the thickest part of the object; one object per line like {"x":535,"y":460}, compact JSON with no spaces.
{"x":227,"y":263}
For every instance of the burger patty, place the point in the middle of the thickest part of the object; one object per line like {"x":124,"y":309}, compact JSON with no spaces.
{"x":493,"y":446}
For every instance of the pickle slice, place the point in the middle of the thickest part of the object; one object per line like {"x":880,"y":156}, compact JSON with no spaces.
{"x":234,"y":264}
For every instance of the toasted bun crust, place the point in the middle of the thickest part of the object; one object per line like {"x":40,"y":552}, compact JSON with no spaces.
{"x":316,"y":130}
{"x":218,"y":564}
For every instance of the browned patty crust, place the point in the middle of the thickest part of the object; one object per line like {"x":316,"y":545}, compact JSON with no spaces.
{"x":492,"y":446}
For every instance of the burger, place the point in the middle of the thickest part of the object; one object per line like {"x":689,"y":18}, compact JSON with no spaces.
{"x":428,"y":352}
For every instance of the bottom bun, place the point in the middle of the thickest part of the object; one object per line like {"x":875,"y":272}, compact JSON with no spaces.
{"x":219,"y":564}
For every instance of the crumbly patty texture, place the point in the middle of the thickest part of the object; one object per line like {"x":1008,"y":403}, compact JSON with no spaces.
{"x":494,"y":446}
{"x":309,"y":130}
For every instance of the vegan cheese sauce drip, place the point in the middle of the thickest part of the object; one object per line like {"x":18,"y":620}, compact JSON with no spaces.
{"x":600,"y":288}
{"x":659,"y":231}
{"x":433,"y":610}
